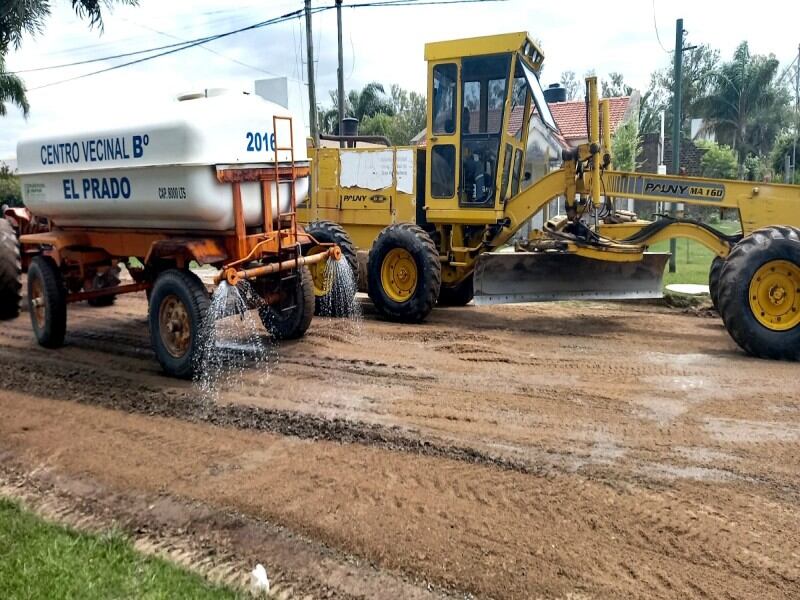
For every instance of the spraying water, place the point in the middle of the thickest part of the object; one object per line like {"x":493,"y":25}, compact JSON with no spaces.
{"x":232,"y":340}
{"x":234,"y":345}
{"x":341,"y":300}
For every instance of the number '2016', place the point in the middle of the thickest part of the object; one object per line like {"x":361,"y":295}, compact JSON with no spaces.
{"x":257,"y":141}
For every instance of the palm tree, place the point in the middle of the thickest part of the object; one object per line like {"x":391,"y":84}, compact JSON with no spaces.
{"x":11,"y":90}
{"x":745,"y":107}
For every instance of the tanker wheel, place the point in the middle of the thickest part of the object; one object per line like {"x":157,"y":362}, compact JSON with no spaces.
{"x":10,"y":272}
{"x":713,"y":279}
{"x":290,"y":318}
{"x":459,"y":294}
{"x":178,"y":306}
{"x":404,"y":273}
{"x":332,"y":298}
{"x":47,"y":302}
{"x":108,"y":279}
{"x":759,"y":293}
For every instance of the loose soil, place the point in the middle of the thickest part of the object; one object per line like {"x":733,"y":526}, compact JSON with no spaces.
{"x":555,"y":450}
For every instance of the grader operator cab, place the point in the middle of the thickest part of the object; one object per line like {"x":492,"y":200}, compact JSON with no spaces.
{"x":425,"y":225}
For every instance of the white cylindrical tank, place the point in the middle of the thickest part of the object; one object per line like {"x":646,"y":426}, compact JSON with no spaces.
{"x":158,"y":170}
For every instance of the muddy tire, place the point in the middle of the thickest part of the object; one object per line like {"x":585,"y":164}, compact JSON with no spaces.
{"x":47,"y":302}
{"x":457,"y":295}
{"x":108,"y":279}
{"x":10,"y":272}
{"x":713,"y":280}
{"x":290,"y":319}
{"x":759,"y":293}
{"x":327,"y":232}
{"x":404,"y":273}
{"x":178,"y":306}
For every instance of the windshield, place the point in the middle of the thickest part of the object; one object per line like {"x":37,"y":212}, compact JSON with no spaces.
{"x":538,"y":96}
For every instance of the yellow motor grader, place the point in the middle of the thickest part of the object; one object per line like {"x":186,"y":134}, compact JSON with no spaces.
{"x":426,"y":225}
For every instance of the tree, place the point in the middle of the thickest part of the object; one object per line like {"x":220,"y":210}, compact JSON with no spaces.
{"x":10,"y":192}
{"x":11,"y":90}
{"x":785,"y":145}
{"x":718,"y":162}
{"x":625,"y":145}
{"x":570,"y":84}
{"x":18,"y":17}
{"x":699,"y":64}
{"x":399,"y":115}
{"x":615,"y":87}
{"x":745,"y":106}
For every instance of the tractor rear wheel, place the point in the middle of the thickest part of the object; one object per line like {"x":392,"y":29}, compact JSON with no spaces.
{"x":178,"y":306}
{"x":404,"y":273}
{"x":47,"y":302}
{"x":10,"y":272}
{"x":459,"y":294}
{"x":759,"y":293}
{"x":713,"y":280}
{"x":328,"y":292}
{"x":290,"y":318}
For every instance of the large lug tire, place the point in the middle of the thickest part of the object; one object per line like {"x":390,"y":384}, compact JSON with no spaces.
{"x":404,"y":273}
{"x":178,"y":306}
{"x":713,"y":279}
{"x":459,"y":294}
{"x":10,"y":272}
{"x":47,"y":302}
{"x":759,"y":293}
{"x":290,"y":318}
{"x":327,"y":232}
{"x":107,"y":280}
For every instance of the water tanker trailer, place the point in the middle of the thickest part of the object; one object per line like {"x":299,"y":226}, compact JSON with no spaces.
{"x":214,"y":179}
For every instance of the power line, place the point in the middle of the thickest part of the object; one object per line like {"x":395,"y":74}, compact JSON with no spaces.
{"x":207,"y":49}
{"x":655,"y":26}
{"x":190,"y":44}
{"x":179,"y":46}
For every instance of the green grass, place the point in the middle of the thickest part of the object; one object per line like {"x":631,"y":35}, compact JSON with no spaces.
{"x":693,"y":260}
{"x":42,"y":560}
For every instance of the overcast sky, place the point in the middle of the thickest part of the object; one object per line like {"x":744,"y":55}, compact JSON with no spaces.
{"x":380,"y":44}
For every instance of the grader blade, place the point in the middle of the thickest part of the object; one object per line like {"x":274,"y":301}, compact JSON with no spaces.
{"x":543,"y":276}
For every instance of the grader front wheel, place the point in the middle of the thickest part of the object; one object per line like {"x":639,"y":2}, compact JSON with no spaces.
{"x":759,"y":293}
{"x":178,"y":306}
{"x":713,"y":280}
{"x":404,"y":273}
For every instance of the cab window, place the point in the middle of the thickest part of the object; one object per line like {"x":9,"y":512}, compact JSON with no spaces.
{"x":445,"y":79}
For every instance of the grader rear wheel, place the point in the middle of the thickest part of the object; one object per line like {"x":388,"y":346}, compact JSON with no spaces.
{"x":327,"y":291}
{"x":459,"y":294}
{"x":290,"y":318}
{"x":404,"y":273}
{"x":107,"y":280}
{"x":10,"y":272}
{"x":47,"y":302}
{"x":178,"y":306}
{"x":759,"y":297}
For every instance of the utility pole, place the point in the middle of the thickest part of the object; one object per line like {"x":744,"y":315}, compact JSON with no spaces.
{"x":796,"y":115}
{"x":312,"y":92}
{"x":676,"y":123}
{"x":340,"y":71}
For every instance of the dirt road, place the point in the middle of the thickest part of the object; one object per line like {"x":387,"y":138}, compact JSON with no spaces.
{"x":556,"y":450}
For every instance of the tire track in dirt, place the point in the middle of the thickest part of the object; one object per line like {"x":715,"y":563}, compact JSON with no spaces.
{"x":472,"y":527}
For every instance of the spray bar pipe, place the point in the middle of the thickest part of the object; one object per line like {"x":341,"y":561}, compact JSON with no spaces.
{"x":234,"y":276}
